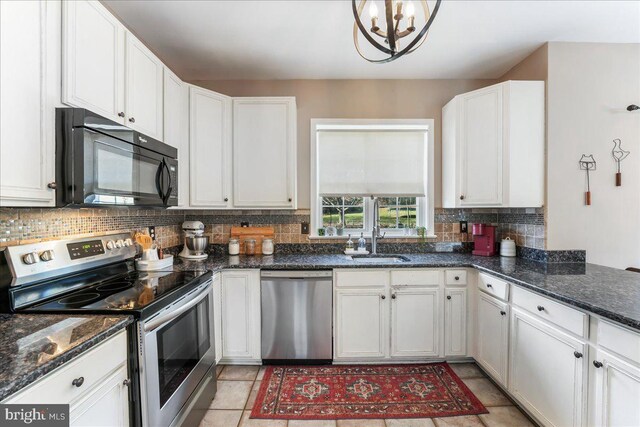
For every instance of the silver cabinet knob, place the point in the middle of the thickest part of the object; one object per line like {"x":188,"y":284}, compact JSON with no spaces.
{"x":383,"y":297}
{"x":462,"y":197}
{"x":30,"y":258}
{"x":126,"y":382}
{"x":52,"y":185}
{"x":111,"y":244}
{"x":78,"y":382}
{"x":47,"y":255}
{"x":121,"y":114}
{"x":132,"y":120}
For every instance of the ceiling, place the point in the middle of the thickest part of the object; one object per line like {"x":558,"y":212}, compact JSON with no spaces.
{"x":312,"y":39}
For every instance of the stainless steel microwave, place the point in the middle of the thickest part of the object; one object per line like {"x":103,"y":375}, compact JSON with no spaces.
{"x":103,"y":163}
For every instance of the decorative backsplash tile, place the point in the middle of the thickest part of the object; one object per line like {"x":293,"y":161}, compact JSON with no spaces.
{"x":22,"y":225}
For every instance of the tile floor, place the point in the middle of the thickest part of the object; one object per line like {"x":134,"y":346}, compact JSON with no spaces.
{"x":238,"y":387}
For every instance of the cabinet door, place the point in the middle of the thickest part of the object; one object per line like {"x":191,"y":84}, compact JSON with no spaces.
{"x":617,"y":391}
{"x":493,"y":336}
{"x":143,"y":84}
{"x":547,"y":371}
{"x":29,"y":39}
{"x":455,"y":322}
{"x":264,"y":153}
{"x":210,"y":148}
{"x":107,"y":405}
{"x":481,"y":129}
{"x":414,"y":321}
{"x":176,"y":118}
{"x":241,"y":315}
{"x":361,"y":327}
{"x":93,"y":59}
{"x":217,"y":316}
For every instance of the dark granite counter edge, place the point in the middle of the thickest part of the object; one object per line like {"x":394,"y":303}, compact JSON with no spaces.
{"x":609,"y":315}
{"x":24,"y":381}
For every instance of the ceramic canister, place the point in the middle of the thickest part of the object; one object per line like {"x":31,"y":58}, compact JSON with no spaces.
{"x":507,"y":247}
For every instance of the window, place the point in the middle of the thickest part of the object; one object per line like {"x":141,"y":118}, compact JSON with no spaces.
{"x":355,"y":154}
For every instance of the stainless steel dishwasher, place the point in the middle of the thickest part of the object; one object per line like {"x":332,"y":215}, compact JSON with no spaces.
{"x":297,"y":308}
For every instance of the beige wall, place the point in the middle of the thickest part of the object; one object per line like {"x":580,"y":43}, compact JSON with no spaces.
{"x":589,"y":88}
{"x":533,"y":67}
{"x":379,"y":99}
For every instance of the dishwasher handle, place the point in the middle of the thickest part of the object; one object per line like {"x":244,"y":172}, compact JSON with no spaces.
{"x":297,"y":275}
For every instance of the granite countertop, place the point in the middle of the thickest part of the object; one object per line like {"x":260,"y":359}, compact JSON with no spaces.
{"x":33,"y":345}
{"x":608,"y":292}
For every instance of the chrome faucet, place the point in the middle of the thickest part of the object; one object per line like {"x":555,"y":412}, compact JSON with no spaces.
{"x":375,"y":232}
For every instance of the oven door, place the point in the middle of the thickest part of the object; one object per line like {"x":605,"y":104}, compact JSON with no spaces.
{"x":177,"y":351}
{"x":119,"y":173}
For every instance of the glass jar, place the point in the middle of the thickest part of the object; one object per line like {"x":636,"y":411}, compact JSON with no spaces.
{"x":250,"y":247}
{"x":234,"y":247}
{"x":267,"y":247}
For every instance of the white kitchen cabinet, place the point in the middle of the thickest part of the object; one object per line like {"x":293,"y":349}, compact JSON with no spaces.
{"x":107,"y":405}
{"x":143,"y":83}
{"x":29,"y":93}
{"x":361,"y":324}
{"x":264,"y":153}
{"x":210,"y":149}
{"x":455,"y":322}
{"x":493,"y":147}
{"x":217,"y":315}
{"x":103,"y":397}
{"x":415,"y":321}
{"x":493,"y":336}
{"x":93,"y":67}
{"x":240,"y":298}
{"x":547,"y":373}
{"x":616,"y":386}
{"x":176,"y":131}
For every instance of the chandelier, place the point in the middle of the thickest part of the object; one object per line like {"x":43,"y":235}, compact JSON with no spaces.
{"x":392,"y":33}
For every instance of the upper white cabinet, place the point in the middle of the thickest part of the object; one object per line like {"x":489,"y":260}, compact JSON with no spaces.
{"x":143,"y":83}
{"x":108,"y":71}
{"x":264,"y":153}
{"x":176,"y":128}
{"x":210,"y":149}
{"x":493,"y":147}
{"x":240,"y":298}
{"x":93,"y":50}
{"x":29,"y":93}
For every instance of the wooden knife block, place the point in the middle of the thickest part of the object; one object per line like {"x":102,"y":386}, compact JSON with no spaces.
{"x":257,"y":233}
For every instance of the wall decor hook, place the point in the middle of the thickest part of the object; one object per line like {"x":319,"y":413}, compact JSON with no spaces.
{"x":588,"y":164}
{"x":618,"y":155}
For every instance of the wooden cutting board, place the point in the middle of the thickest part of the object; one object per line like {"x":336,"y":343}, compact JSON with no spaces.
{"x":258,"y":233}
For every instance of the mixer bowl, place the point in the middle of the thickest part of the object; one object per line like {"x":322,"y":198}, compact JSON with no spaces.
{"x":197,"y":244}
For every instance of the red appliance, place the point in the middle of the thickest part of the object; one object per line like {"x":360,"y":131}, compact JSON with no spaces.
{"x":484,"y":240}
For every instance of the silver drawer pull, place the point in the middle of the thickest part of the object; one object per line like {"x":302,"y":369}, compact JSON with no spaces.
{"x":126,"y":382}
{"x":489,"y":285}
{"x":540,"y":308}
{"x":78,"y":382}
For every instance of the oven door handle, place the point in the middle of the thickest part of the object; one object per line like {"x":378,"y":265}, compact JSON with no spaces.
{"x":162,"y":320}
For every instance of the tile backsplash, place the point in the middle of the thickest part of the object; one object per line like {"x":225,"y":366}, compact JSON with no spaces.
{"x":24,"y":225}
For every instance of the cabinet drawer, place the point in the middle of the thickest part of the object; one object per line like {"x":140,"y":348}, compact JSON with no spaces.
{"x":619,"y":340}
{"x":455,"y":277}
{"x":572,"y":320}
{"x":493,"y":286}
{"x":415,"y":277}
{"x":361,"y":278}
{"x":92,"y":366}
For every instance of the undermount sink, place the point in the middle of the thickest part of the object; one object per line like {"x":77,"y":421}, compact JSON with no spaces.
{"x":373,"y":259}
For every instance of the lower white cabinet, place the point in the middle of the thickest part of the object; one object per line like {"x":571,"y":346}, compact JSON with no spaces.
{"x":616,"y":387}
{"x":455,"y":322}
{"x":240,"y":299}
{"x":414,"y":321}
{"x":548,"y":371}
{"x":493,"y":336}
{"x":361,"y":323}
{"x":101,"y":399}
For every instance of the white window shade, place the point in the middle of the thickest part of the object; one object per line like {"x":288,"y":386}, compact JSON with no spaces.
{"x":372,"y":162}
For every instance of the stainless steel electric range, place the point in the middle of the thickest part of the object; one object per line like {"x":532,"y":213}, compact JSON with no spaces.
{"x":171,"y":344}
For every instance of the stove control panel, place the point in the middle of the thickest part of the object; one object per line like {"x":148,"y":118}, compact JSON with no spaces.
{"x":49,"y":259}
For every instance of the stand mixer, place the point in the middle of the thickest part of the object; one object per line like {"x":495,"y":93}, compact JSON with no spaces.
{"x":195,"y":243}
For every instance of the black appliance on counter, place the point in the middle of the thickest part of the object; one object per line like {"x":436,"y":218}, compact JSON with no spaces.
{"x":171,"y":342}
{"x":103,"y":163}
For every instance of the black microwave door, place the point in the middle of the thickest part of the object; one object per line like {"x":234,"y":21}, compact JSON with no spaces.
{"x":119,"y":173}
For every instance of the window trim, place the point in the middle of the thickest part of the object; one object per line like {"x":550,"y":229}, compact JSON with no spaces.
{"x":426,"y":204}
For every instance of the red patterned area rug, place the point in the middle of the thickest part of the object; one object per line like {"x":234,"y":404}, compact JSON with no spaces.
{"x":363,"y":391}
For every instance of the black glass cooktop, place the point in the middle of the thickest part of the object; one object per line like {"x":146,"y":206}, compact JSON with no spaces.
{"x":131,"y":291}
